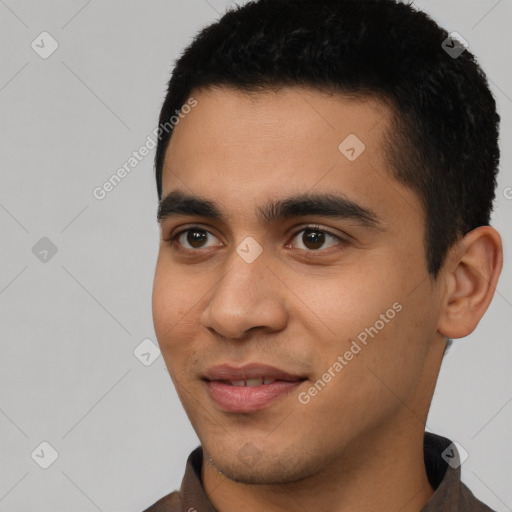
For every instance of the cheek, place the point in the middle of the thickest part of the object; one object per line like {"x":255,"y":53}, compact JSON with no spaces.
{"x":363,"y":312}
{"x":174,"y":309}
{"x":345,"y":302}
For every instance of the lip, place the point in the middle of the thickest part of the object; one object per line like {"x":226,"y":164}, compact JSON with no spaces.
{"x":244,"y":399}
{"x":249,"y":371}
{"x":249,"y":398}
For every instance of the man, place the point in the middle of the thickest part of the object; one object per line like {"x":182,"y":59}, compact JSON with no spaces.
{"x":324,"y":207}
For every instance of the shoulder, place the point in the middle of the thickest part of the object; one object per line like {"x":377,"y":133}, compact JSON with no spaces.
{"x":191,"y":489}
{"x":169,"y":503}
{"x":469,"y":502}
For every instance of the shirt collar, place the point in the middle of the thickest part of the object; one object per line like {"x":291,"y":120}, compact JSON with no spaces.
{"x":442,"y":464}
{"x":443,"y":477}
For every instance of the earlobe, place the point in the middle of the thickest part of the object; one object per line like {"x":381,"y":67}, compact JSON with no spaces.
{"x":475,"y":266}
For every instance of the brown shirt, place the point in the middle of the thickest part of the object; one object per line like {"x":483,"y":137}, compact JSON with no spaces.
{"x":450,"y":495}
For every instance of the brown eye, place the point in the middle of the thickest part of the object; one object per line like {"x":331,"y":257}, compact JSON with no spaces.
{"x":193,"y":238}
{"x":313,"y":238}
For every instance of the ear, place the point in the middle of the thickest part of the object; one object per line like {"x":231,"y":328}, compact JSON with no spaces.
{"x":471,"y":275}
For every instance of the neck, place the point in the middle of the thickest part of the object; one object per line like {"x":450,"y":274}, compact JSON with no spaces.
{"x":384,"y":472}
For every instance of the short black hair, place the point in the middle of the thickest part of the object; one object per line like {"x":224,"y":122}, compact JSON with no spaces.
{"x":443,"y":142}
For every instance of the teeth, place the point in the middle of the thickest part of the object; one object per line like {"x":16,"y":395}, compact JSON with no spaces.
{"x":252,"y":382}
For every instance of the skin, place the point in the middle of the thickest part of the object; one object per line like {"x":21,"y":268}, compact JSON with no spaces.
{"x":358,"y":444}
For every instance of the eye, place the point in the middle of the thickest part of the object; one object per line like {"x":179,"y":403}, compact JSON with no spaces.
{"x":314,"y":238}
{"x":191,"y":238}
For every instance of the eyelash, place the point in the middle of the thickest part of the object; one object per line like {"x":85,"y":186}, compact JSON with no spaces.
{"x":172,"y":240}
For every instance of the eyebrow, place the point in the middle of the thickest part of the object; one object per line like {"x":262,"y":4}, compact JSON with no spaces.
{"x":336,"y":206}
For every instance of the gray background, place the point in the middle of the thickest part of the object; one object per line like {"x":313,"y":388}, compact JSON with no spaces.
{"x":69,"y":325}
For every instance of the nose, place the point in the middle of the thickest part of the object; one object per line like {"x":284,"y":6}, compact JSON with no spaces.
{"x":247,"y":297}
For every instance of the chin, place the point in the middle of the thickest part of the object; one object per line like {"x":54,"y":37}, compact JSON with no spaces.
{"x":252,"y":467}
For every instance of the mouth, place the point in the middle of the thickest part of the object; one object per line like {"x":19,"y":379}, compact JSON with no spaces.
{"x":251,"y":382}
{"x":249,"y":388}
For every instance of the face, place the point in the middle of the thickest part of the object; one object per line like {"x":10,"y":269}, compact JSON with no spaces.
{"x":302,"y":253}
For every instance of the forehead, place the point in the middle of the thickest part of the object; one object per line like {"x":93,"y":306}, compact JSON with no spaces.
{"x":241,"y":149}
{"x":289,"y":119}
